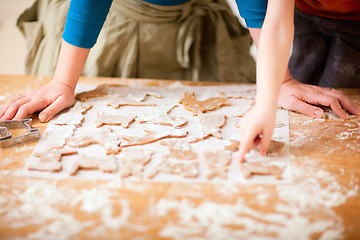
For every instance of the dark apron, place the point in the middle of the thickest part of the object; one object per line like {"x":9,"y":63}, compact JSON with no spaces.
{"x":326,"y":52}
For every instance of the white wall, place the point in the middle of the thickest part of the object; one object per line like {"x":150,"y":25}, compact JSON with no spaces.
{"x":12,"y":44}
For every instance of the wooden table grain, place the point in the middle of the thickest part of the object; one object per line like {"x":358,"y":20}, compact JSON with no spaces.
{"x":322,"y":201}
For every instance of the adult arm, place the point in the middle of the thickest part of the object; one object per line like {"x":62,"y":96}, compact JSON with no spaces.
{"x":302,"y":97}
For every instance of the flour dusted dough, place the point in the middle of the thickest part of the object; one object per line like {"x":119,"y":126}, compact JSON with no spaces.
{"x":179,"y":149}
{"x":159,"y":115}
{"x":117,"y":102}
{"x":74,"y":116}
{"x":56,"y":139}
{"x":259,"y":168}
{"x":99,"y":91}
{"x":233,"y":146}
{"x":107,"y":163}
{"x":244,"y":94}
{"x":133,"y":161}
{"x":112,"y":119}
{"x":275,"y":149}
{"x":188,"y":169}
{"x":211,"y":125}
{"x":48,"y":161}
{"x":135,"y":93}
{"x":217,"y":163}
{"x":196,"y":107}
{"x":106,"y":139}
{"x":152,"y":136}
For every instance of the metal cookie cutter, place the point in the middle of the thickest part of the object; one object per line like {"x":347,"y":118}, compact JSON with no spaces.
{"x":6,"y":140}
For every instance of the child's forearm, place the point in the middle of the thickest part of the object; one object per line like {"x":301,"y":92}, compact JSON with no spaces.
{"x":273,"y":42}
{"x":273,"y":55}
{"x":70,"y":64}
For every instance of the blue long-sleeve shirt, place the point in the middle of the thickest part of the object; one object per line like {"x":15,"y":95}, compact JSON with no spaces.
{"x":86,"y":18}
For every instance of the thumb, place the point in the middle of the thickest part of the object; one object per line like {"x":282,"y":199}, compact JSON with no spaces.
{"x":58,"y":105}
{"x":307,"y":109}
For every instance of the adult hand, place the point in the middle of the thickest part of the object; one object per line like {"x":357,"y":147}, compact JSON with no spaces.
{"x":52,"y":98}
{"x":302,"y":97}
{"x":256,"y":128}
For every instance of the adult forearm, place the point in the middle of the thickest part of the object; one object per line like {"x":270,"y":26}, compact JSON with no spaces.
{"x":70,"y":64}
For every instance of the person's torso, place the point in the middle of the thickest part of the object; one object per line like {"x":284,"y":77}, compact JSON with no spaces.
{"x":340,"y":9}
{"x":166,"y":2}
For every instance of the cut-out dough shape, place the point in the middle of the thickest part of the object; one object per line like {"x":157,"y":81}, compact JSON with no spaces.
{"x":152,"y":136}
{"x":258,"y":168}
{"x":211,"y":125}
{"x":48,"y":161}
{"x":217,"y":163}
{"x":111,"y":119}
{"x":107,"y":163}
{"x":74,"y":116}
{"x":107,"y":139}
{"x":275,"y":148}
{"x":55,"y":137}
{"x":133,"y":162}
{"x":179,"y":149}
{"x":159,"y":115}
{"x":188,"y":169}
{"x":197,"y":107}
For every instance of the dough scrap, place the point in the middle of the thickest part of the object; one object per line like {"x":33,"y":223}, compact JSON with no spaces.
{"x":133,"y":92}
{"x":244,"y":94}
{"x":99,"y":91}
{"x":188,"y":169}
{"x":74,"y":116}
{"x":159,"y":115}
{"x":107,"y":139}
{"x":179,"y":149}
{"x":48,"y":161}
{"x":111,"y":119}
{"x":152,"y":136}
{"x":196,"y":107}
{"x":216,"y":163}
{"x":107,"y":163}
{"x":117,"y":102}
{"x":233,"y":146}
{"x":211,"y":125}
{"x":259,"y":168}
{"x":133,"y":162}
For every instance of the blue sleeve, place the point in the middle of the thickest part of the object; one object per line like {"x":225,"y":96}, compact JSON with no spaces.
{"x":253,"y":11}
{"x":84,"y":21}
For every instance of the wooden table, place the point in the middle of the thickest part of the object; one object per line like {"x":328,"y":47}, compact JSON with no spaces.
{"x":322,"y":200}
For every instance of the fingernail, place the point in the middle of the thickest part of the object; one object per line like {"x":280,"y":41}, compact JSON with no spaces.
{"x":318,"y":113}
{"x":43,"y":117}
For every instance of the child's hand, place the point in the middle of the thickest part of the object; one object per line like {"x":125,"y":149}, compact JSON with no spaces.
{"x":52,"y":98}
{"x":256,"y":128}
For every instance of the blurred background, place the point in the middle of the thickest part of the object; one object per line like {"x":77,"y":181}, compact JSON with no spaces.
{"x":12,"y":43}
